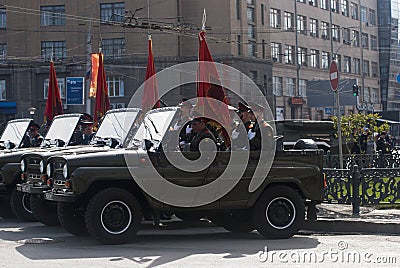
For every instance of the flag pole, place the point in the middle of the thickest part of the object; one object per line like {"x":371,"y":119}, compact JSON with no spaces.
{"x":203,"y":22}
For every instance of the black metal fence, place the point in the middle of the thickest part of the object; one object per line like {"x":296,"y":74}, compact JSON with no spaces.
{"x":366,"y":180}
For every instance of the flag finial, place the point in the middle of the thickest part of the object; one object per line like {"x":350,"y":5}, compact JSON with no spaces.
{"x":203,"y":22}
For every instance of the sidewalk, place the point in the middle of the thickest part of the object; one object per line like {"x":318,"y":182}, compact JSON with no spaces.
{"x":338,"y":218}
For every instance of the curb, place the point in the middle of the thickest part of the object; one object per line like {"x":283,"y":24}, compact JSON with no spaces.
{"x":351,"y":226}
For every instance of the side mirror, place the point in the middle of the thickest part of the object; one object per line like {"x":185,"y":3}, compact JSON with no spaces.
{"x":112,"y":143}
{"x":9,"y":145}
{"x":146,"y":145}
{"x":60,"y":143}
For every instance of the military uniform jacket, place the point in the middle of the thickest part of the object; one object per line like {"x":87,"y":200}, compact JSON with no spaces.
{"x":255,"y":143}
{"x":205,"y":133}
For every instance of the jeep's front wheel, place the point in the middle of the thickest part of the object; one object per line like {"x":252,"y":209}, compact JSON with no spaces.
{"x":72,"y":218}
{"x":21,"y":205}
{"x":113,"y":216}
{"x":279,"y":212}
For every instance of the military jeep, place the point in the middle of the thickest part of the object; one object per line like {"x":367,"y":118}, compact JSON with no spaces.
{"x":34,"y":178}
{"x":100,"y":193}
{"x":61,"y":133}
{"x":14,"y":135}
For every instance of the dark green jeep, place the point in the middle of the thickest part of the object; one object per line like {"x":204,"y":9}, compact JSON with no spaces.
{"x":34,"y":179}
{"x":107,"y":193}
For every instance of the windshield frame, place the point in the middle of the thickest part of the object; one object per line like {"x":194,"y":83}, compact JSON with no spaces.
{"x":17,"y":140}
{"x":56,"y":121}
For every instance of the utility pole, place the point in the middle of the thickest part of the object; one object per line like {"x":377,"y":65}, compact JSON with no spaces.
{"x":296,"y":54}
{"x":88,"y":66}
{"x":362,"y":57}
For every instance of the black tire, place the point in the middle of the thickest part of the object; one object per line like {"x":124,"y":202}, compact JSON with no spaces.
{"x":6,"y":211}
{"x":21,"y":205}
{"x":234,"y":223}
{"x":187,"y":216}
{"x":44,"y":211}
{"x":279,"y":212}
{"x":72,"y":218}
{"x":113,"y":216}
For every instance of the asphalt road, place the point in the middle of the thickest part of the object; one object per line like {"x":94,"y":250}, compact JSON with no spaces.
{"x":191,"y":245}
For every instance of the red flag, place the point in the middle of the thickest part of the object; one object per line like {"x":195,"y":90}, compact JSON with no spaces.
{"x":211,"y":89}
{"x":150,"y":94}
{"x":53,"y":104}
{"x":102,"y":100}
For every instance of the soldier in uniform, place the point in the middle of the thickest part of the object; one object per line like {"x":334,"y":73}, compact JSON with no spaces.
{"x":201,"y":132}
{"x":34,"y":135}
{"x":254,"y":134}
{"x":87,"y":129}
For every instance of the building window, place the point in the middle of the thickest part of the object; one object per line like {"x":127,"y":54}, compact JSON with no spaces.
{"x":3,"y":51}
{"x":365,"y":40}
{"x":55,"y":50}
{"x":61,"y":86}
{"x":251,"y":14}
{"x":289,"y":54}
{"x":302,"y":56}
{"x":336,"y":33}
{"x":345,"y":8}
{"x":288,"y":21}
{"x":275,"y":18}
{"x":239,"y":44}
{"x":262,"y":14}
{"x":375,"y":70}
{"x":112,"y":12}
{"x":335,"y":6}
{"x":289,"y":86}
{"x":277,"y":85}
{"x":301,"y":1}
{"x":324,"y":60}
{"x":3,"y":18}
{"x":346,"y":36}
{"x":374,"y":43}
{"x":250,"y":2}
{"x":366,"y":95}
{"x":238,"y":9}
{"x":313,"y":27}
{"x":252,"y":49}
{"x":263,"y":48}
{"x":251,"y":31}
{"x":364,"y":14}
{"x":314,"y":58}
{"x":372,"y":17}
{"x":303,"y":88}
{"x":52,"y":15}
{"x":347,"y":64}
{"x":253,"y":76}
{"x":356,"y":64}
{"x":313,"y":3}
{"x":356,"y":38}
{"x":323,"y":4}
{"x":276,"y":52}
{"x":115,"y":86}
{"x":113,"y":48}
{"x":2,"y":90}
{"x":302,"y":24}
{"x":375,"y":95}
{"x":324,"y":30}
{"x":366,"y":68}
{"x":354,"y":11}
{"x":338,"y":60}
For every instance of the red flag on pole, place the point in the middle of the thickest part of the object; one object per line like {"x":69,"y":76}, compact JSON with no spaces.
{"x":53,"y":104}
{"x":211,"y":88}
{"x":150,"y":95}
{"x":102,"y":100}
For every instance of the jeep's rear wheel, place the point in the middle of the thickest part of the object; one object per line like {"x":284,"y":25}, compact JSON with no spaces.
{"x":279,"y":212}
{"x":21,"y":205}
{"x":72,"y":218}
{"x":113,"y":216}
{"x":6,"y":211}
{"x":44,"y":211}
{"x":235,"y":223}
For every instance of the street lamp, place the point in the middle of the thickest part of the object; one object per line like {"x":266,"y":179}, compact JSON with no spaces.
{"x":32,"y":111}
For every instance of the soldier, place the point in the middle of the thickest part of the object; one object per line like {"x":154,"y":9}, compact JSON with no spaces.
{"x":87,"y":129}
{"x":381,"y":144}
{"x":34,"y":136}
{"x":201,"y":132}
{"x":254,"y":134}
{"x":184,"y":122}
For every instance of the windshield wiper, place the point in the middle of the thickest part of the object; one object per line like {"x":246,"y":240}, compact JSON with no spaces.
{"x":154,"y":126}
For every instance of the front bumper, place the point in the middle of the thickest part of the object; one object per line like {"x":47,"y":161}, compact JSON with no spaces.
{"x":60,"y":197}
{"x":31,"y":189}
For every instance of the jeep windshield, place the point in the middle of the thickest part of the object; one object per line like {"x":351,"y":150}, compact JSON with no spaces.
{"x":153,"y":127}
{"x":15,"y":131}
{"x":116,"y":125}
{"x":62,"y":128}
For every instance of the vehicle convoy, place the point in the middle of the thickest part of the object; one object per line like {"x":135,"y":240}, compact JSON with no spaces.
{"x":34,"y":180}
{"x":97,"y":193}
{"x":62,"y":132}
{"x":14,"y":135}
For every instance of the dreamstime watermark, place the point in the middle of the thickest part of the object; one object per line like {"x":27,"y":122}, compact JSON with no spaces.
{"x":341,"y":254}
{"x":240,"y":85}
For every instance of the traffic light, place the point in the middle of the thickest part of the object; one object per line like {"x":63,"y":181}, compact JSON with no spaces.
{"x":355,"y":90}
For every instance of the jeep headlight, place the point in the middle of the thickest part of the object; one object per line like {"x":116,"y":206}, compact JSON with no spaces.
{"x":41,"y":167}
{"x":65,"y":171}
{"x":48,"y":170}
{"x":23,"y":165}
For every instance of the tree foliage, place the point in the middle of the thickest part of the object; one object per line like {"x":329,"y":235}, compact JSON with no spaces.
{"x":352,"y":126}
